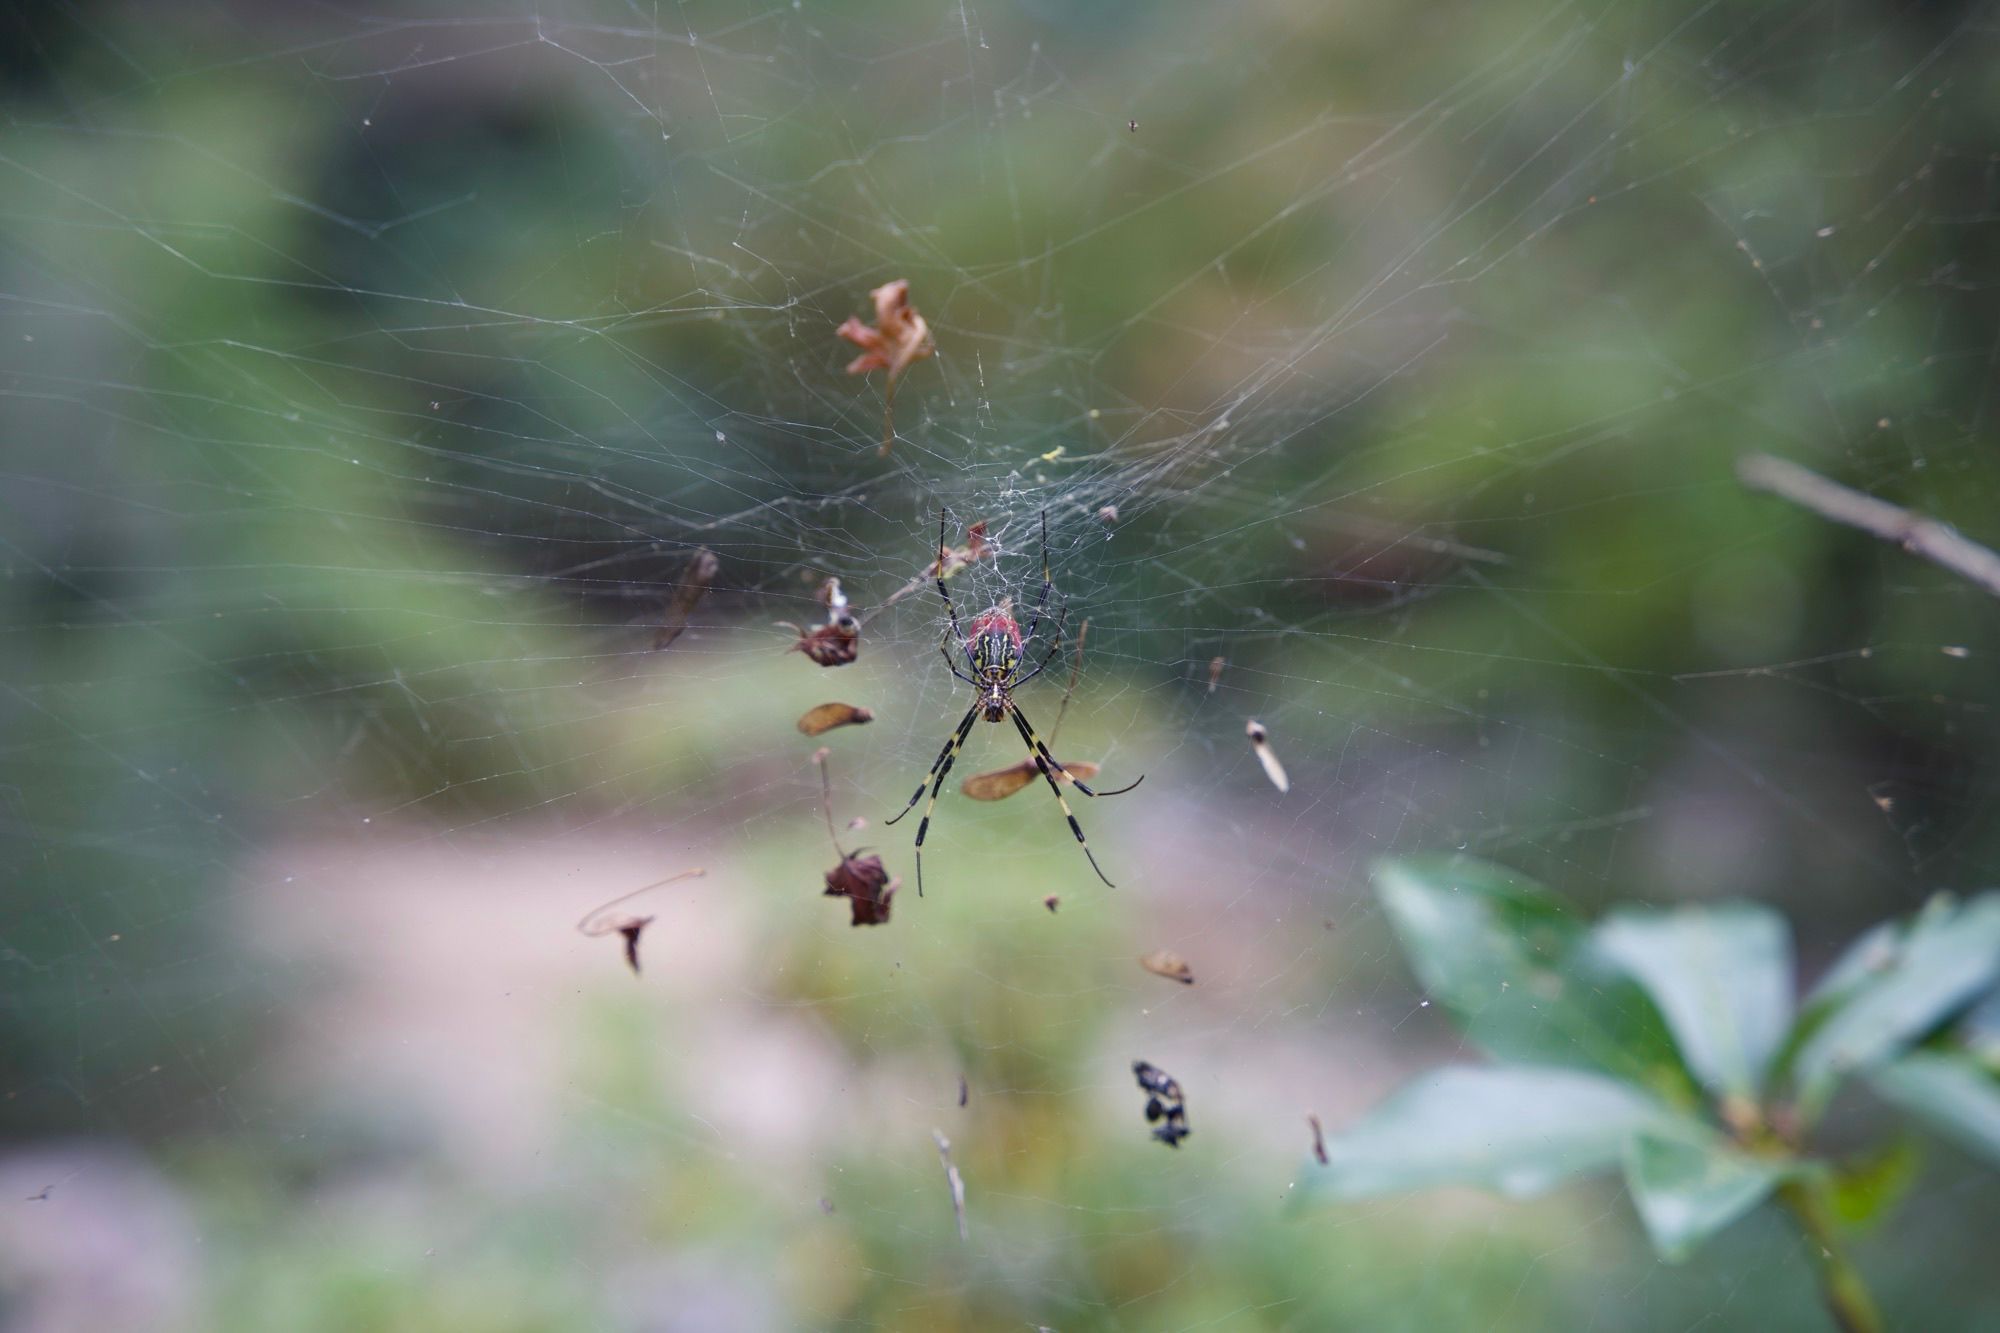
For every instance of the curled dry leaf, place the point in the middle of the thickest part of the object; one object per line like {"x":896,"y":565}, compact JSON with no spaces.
{"x":861,"y":880}
{"x":899,"y":339}
{"x":1166,"y":963}
{"x":866,"y":886}
{"x":700,"y":572}
{"x":1000,"y":783}
{"x":827,"y":716}
{"x":1260,"y":741}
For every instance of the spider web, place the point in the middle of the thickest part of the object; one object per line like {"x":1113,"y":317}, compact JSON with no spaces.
{"x":374,"y":375}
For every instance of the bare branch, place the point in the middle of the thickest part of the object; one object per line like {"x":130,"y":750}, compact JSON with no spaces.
{"x":1939,"y":543}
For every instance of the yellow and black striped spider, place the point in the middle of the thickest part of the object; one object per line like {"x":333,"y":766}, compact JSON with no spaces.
{"x":993,"y":652}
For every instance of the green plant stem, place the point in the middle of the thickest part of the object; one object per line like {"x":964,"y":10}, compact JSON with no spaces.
{"x":1847,"y":1297}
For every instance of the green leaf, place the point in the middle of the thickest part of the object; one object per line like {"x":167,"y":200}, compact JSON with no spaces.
{"x":1688,"y":1186}
{"x":1890,"y":989}
{"x":1511,"y":962}
{"x":1951,"y":1092}
{"x":1517,"y":1130}
{"x":1865,"y":1188}
{"x":1722,"y":977}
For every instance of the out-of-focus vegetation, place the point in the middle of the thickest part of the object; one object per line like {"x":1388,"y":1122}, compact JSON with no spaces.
{"x":1665,"y":1043}
{"x":368,"y":380}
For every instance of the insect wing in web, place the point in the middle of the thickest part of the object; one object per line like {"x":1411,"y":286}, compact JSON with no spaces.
{"x":993,"y":653}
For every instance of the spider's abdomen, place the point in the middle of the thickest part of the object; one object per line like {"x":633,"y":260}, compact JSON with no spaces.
{"x":995,"y":642}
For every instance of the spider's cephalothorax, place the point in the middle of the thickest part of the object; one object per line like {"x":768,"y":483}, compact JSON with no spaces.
{"x":993,"y":652}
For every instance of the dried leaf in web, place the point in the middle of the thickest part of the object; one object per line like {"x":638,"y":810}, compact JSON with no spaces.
{"x":700,"y":572}
{"x":899,"y":339}
{"x":1000,"y":783}
{"x":827,"y":716}
{"x":866,"y":886}
{"x":861,"y":880}
{"x":1166,"y":963}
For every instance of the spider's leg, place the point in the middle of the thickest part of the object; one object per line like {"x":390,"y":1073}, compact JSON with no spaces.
{"x":946,"y":652}
{"x":1043,"y":756}
{"x":1049,"y":767}
{"x":951,"y":744}
{"x":1047,"y":582}
{"x":957,"y":634}
{"x":1047,"y":657}
{"x":935,"y":779}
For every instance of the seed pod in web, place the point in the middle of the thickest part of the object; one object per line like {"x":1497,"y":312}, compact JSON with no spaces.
{"x":700,"y":572}
{"x":827,"y":716}
{"x":1260,"y":741}
{"x":1166,"y":963}
{"x":1000,"y":783}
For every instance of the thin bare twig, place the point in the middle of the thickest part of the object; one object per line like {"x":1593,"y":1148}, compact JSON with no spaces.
{"x":951,"y":1175}
{"x":1937,"y":542}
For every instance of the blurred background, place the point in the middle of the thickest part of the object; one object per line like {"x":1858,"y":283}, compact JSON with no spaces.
{"x":372,"y":375}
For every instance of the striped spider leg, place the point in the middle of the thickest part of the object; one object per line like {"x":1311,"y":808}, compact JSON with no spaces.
{"x":993,"y":652}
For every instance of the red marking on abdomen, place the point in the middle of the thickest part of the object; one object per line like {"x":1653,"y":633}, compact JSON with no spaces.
{"x":995,"y":621}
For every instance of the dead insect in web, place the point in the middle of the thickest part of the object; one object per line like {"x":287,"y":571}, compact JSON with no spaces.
{"x":1166,"y":963}
{"x":1108,"y":515}
{"x":1260,"y":741}
{"x":964,"y":1090}
{"x":861,"y":880}
{"x":997,"y":784}
{"x":1132,"y":125}
{"x":838,"y":641}
{"x":602,"y":920}
{"x":1052,"y":902}
{"x":994,"y":651}
{"x":899,"y":339}
{"x":1215,"y":665}
{"x":700,"y":572}
{"x":1166,"y":1109}
{"x":1319,"y":1140}
{"x":827,"y":716}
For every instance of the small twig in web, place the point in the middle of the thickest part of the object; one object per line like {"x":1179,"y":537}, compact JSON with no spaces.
{"x":1260,"y":741}
{"x":956,"y":1181}
{"x":600,"y":920}
{"x":1937,"y":542}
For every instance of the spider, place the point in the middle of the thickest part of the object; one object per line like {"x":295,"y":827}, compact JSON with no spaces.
{"x":993,"y":652}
